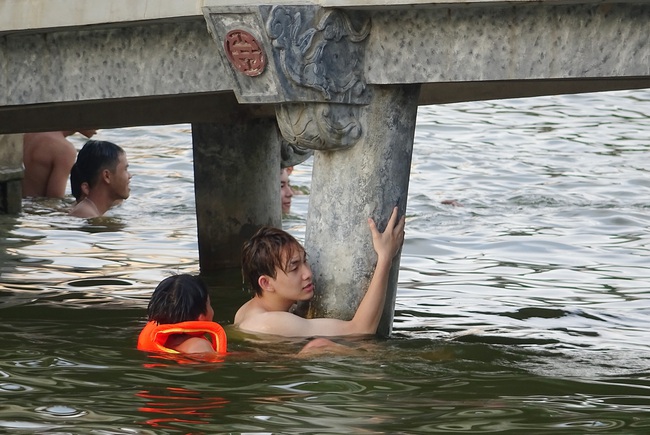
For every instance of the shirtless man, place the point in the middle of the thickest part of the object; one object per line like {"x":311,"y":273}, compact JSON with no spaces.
{"x":275,"y":266}
{"x":100,"y":178}
{"x":48,"y":158}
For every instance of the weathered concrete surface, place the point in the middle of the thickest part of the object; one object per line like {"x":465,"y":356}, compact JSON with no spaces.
{"x":233,"y":165}
{"x":87,"y":65}
{"x":348,"y":187}
{"x":77,"y":63}
{"x":512,"y":49}
{"x":524,"y":42}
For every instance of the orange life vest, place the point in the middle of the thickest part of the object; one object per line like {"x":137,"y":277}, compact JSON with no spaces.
{"x":153,"y":336}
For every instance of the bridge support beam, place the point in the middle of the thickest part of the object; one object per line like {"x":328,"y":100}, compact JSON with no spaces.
{"x":11,"y":173}
{"x":351,"y":185}
{"x":233,"y":163}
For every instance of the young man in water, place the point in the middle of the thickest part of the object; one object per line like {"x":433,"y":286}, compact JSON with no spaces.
{"x":274,"y":264}
{"x":48,"y":158}
{"x":100,"y":177}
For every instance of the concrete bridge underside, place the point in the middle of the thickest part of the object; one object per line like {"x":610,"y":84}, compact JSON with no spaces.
{"x":342,"y":79}
{"x":172,"y":70}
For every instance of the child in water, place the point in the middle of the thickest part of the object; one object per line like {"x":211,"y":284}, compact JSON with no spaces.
{"x":180,"y":318}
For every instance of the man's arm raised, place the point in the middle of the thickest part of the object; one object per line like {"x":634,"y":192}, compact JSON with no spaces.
{"x":368,"y":314}
{"x":386,"y":244}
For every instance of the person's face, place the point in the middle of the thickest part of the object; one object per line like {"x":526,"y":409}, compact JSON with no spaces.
{"x":121,"y":178}
{"x":285,"y":192}
{"x":296,"y":283}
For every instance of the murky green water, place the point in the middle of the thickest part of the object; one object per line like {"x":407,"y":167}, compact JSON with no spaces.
{"x":524,"y":311}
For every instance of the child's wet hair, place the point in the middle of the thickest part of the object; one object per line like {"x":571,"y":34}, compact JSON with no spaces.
{"x":178,"y":298}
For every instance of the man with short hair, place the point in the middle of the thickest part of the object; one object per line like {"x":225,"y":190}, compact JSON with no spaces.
{"x":100,"y":177}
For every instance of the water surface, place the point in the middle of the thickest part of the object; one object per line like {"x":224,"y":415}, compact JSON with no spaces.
{"x":524,"y":310}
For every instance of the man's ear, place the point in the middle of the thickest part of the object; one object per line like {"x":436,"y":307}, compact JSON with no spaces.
{"x":106,"y":176}
{"x":265,"y":283}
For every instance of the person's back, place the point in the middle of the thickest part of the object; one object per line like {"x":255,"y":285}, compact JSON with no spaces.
{"x":48,"y":158}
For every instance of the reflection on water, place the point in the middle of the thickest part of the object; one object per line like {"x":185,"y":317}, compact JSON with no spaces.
{"x":178,"y":406}
{"x":523,"y":310}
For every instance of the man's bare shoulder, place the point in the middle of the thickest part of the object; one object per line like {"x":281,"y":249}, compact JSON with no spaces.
{"x":83,"y":210}
{"x":48,"y":145}
{"x":268,"y":322}
{"x":244,"y":311}
{"x":45,"y":138}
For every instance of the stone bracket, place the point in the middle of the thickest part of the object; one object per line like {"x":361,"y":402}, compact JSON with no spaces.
{"x":281,"y":53}
{"x":293,"y":154}
{"x":306,"y":59}
{"x":320,"y":126}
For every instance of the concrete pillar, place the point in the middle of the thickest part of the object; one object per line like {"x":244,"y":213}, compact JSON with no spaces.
{"x":350,"y":185}
{"x":237,"y":187}
{"x":11,"y":173}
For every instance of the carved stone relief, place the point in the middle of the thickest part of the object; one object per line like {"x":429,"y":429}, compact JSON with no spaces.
{"x":326,"y":56}
{"x":320,"y":126}
{"x":292,"y":154}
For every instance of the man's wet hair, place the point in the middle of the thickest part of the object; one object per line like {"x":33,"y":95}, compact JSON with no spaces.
{"x":268,"y":249}
{"x":93,"y":158}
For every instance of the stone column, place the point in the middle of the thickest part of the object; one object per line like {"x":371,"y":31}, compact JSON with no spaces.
{"x":350,"y":185}
{"x":11,"y":173}
{"x":311,"y":62}
{"x":234,"y":166}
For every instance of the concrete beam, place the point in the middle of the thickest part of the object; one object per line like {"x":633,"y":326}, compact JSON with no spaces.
{"x":442,"y":93}
{"x":32,"y":15}
{"x":522,"y":41}
{"x":156,"y":59}
{"x":116,"y":113}
{"x":99,"y":66}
